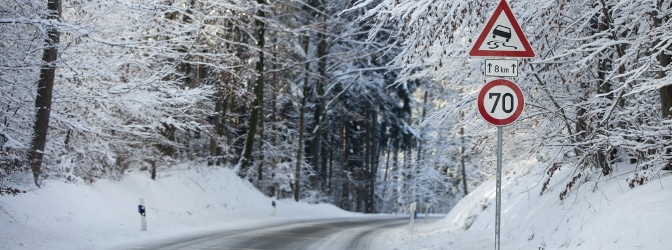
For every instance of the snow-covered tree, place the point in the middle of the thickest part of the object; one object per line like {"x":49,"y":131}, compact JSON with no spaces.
{"x":595,"y":90}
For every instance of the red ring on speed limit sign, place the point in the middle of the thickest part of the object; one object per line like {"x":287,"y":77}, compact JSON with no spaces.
{"x":500,"y":102}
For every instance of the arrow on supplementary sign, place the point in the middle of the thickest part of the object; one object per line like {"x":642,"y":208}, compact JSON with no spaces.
{"x":501,"y":67}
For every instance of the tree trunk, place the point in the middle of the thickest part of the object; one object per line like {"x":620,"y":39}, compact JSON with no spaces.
{"x":664,"y":59}
{"x":153,"y":171}
{"x":258,"y":103}
{"x":302,"y":121}
{"x":230,"y":124}
{"x":368,"y":165}
{"x":260,"y":130}
{"x":666,"y":98}
{"x":322,"y":174}
{"x":330,"y":170}
{"x":299,"y":153}
{"x":397,"y":168}
{"x":388,"y":153}
{"x":373,"y":162}
{"x":605,"y":65}
{"x":462,"y":166}
{"x":217,"y":124}
{"x":422,"y":129}
{"x":316,"y":143}
{"x":45,"y":87}
{"x":345,"y":196}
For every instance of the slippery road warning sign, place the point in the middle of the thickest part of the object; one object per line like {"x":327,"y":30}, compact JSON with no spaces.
{"x":502,"y":36}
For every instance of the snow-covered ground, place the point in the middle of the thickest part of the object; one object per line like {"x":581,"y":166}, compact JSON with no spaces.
{"x":602,"y":213}
{"x":104,"y":215}
{"x":596,"y":214}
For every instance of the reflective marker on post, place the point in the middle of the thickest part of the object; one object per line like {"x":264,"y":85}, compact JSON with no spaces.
{"x":143,"y":218}
{"x":273,"y":204}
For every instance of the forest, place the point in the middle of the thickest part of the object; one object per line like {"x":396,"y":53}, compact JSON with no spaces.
{"x":365,"y":104}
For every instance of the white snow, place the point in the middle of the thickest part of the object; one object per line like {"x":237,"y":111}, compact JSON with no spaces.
{"x":598,"y":213}
{"x":601,"y":213}
{"x":104,"y":215}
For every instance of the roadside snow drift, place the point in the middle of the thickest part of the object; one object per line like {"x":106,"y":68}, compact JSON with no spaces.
{"x":598,"y":213}
{"x":105,"y":214}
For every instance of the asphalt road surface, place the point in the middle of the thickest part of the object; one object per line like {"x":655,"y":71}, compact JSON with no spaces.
{"x":346,"y":233}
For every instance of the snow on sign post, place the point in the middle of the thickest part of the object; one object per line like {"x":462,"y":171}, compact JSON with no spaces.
{"x":501,"y":102}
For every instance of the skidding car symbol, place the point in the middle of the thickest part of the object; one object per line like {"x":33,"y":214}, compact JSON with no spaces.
{"x":502,"y":31}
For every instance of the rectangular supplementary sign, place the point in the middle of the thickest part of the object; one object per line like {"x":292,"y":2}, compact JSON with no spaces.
{"x":501,"y":67}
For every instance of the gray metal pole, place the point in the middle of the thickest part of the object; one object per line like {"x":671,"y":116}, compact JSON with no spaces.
{"x":499,"y":187}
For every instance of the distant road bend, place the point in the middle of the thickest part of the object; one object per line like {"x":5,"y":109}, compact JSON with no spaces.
{"x":345,"y":233}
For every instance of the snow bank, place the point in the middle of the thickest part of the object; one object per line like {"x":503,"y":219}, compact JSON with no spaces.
{"x":105,"y":214}
{"x":596,"y":214}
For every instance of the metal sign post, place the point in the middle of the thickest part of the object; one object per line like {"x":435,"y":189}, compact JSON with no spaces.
{"x":500,"y":102}
{"x":498,"y":215}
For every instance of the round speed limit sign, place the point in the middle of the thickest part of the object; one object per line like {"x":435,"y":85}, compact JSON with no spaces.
{"x":500,"y":102}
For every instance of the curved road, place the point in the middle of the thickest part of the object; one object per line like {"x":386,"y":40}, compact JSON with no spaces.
{"x":345,"y":233}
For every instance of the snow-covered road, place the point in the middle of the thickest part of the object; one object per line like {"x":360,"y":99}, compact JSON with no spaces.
{"x":341,"y":233}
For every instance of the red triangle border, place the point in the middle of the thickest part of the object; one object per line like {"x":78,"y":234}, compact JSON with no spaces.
{"x":502,"y":7}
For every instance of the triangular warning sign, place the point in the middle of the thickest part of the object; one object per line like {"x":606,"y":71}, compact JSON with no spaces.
{"x":502,"y":36}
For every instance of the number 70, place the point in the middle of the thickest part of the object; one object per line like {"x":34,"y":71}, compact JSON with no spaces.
{"x":505,"y":97}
